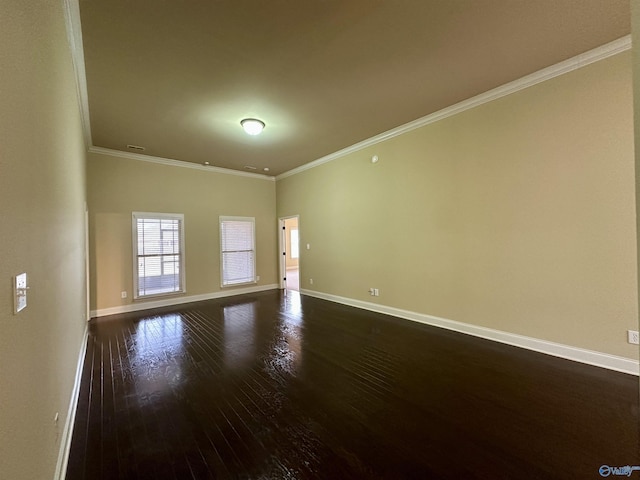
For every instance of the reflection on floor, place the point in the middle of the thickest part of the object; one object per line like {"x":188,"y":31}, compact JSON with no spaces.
{"x":293,"y":279}
{"x":281,"y":386}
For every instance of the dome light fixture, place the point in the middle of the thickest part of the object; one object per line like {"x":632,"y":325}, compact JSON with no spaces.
{"x":252,"y":126}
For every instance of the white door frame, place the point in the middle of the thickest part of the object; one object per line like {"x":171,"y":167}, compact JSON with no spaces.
{"x":282,"y":262}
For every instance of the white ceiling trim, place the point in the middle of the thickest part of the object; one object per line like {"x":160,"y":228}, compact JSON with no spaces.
{"x":177,"y":163}
{"x":600,"y":53}
{"x":74,"y":33}
{"x":74,"y":37}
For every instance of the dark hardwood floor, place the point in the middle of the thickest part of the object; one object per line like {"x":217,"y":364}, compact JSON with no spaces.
{"x":275,"y":386}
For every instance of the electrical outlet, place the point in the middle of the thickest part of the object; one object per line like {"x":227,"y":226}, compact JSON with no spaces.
{"x":123,"y":294}
{"x":372,"y":291}
{"x":632,"y":337}
{"x":376,"y":292}
{"x":311,"y":281}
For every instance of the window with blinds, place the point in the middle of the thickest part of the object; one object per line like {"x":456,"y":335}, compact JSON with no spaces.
{"x":158,"y":250}
{"x":237,"y":250}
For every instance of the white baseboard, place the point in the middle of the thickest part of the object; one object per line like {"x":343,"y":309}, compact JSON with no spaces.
{"x":170,"y":301}
{"x":604,"y":360}
{"x":67,"y":432}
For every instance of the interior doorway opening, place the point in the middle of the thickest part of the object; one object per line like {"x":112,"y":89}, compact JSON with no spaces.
{"x":290,"y":249}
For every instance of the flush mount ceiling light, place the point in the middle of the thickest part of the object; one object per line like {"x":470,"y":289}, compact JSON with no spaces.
{"x":252,"y":126}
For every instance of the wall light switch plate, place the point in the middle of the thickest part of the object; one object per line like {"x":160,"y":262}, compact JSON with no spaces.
{"x":20,"y":293}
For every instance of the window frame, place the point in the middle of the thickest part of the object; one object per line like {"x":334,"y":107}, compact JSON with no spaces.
{"x":135,"y":216}
{"x":252,"y":220}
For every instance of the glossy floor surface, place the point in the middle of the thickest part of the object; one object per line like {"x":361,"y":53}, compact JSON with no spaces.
{"x":283,"y":386}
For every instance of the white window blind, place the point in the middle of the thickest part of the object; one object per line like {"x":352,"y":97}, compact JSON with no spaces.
{"x":237,"y":250}
{"x":158,"y":244}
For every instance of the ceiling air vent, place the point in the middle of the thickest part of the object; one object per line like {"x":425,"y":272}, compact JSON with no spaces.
{"x":137,"y":148}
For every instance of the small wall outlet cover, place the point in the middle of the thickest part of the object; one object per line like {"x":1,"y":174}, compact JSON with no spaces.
{"x":633,"y":337}
{"x":311,"y":281}
{"x":123,"y":294}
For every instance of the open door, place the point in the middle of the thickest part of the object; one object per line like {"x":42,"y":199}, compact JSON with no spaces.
{"x":290,"y":253}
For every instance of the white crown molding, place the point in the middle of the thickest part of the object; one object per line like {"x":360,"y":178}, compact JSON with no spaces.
{"x":590,"y":357}
{"x":171,"y":301}
{"x":67,"y":433}
{"x":74,"y":34}
{"x":74,"y":37}
{"x":177,"y":163}
{"x":574,"y":63}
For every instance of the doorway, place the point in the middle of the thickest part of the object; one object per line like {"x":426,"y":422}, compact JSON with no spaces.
{"x":290,"y":257}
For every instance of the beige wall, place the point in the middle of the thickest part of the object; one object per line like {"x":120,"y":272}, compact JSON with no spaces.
{"x":635,"y":40}
{"x":119,"y":186}
{"x":518,"y":215}
{"x":42,"y":195}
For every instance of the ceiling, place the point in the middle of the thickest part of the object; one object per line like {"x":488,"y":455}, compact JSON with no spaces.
{"x":177,"y":77}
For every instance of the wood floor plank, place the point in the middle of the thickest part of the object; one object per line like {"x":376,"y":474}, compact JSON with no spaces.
{"x":280,"y":386}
